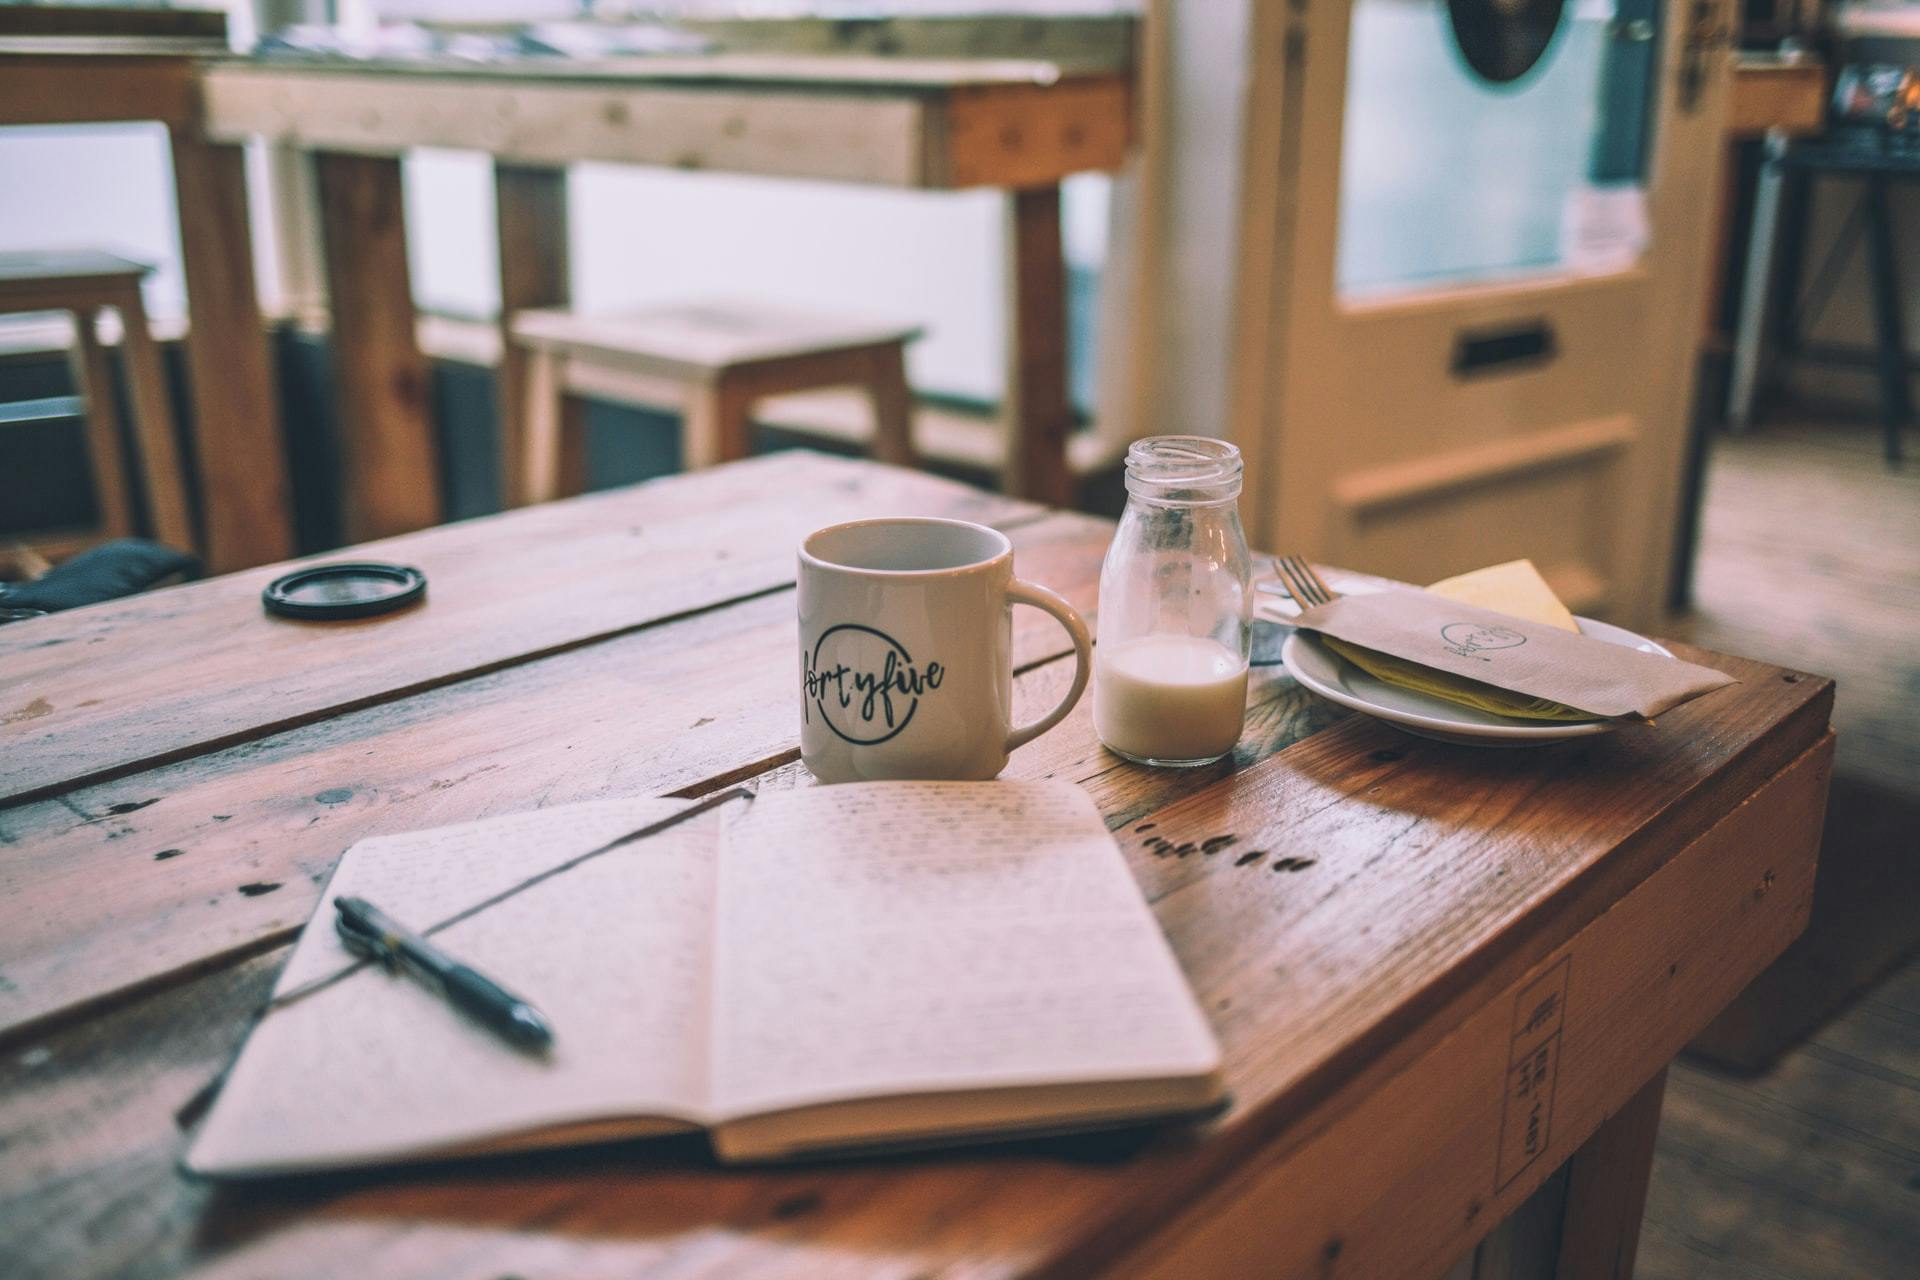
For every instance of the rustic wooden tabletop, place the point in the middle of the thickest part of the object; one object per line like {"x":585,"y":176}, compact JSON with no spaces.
{"x":1439,"y":975}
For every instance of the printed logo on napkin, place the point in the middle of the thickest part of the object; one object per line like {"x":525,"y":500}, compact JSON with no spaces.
{"x":1517,"y":654}
{"x":1468,"y":638}
{"x":864,"y":684}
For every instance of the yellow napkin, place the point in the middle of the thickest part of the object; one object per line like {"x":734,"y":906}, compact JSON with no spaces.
{"x":1515,"y":588}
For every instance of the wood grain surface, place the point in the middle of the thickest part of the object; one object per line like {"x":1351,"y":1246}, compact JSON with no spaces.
{"x":1360,"y":913}
{"x":203,"y":665}
{"x":1285,"y":961}
{"x":224,"y":852}
{"x":947,"y":123}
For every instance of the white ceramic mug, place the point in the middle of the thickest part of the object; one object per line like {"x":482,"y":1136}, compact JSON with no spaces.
{"x":906,"y":650}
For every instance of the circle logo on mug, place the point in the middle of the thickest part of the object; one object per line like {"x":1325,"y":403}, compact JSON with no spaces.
{"x":864,"y":684}
{"x":906,"y":650}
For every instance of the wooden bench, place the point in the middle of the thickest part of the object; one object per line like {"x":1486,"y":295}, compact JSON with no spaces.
{"x":717,"y":359}
{"x":84,"y":283}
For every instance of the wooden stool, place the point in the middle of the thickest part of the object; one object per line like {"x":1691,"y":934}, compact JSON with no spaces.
{"x":718,"y":358}
{"x":85,"y":283}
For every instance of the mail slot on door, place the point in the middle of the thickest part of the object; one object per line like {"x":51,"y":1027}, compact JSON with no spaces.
{"x":1515,"y":348}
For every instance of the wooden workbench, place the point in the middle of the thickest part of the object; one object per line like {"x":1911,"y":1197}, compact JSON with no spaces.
{"x":1438,"y":974}
{"x":915,"y":122}
{"x":86,"y":66}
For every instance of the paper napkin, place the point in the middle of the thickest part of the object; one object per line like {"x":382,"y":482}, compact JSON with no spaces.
{"x":1495,"y":651}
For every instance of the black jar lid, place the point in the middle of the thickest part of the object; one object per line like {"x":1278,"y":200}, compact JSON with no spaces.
{"x":331,"y":592}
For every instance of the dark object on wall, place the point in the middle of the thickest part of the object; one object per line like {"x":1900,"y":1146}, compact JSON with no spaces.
{"x":124,"y":567}
{"x":1502,"y":40}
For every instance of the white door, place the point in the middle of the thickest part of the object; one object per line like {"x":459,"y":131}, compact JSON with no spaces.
{"x":1474,"y":250}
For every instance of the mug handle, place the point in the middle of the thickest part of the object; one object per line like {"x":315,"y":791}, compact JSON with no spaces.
{"x":1021,"y":592}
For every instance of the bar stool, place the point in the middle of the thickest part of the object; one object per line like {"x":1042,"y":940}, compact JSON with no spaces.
{"x":1774,"y":260}
{"x":84,"y":283}
{"x":717,"y":359}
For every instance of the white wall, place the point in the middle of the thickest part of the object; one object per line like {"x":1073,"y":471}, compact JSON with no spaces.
{"x":642,"y":236}
{"x":98,"y":187}
{"x":1196,"y":183}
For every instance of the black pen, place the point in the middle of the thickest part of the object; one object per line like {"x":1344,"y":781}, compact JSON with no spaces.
{"x":370,"y":932}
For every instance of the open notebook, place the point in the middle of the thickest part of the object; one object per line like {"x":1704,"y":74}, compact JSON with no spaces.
{"x":864,"y":965}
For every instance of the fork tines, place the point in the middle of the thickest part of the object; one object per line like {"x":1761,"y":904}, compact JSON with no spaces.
{"x":1302,"y":583}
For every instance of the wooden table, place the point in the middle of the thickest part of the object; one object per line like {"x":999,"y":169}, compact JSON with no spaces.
{"x":83,"y":66}
{"x":932,"y":123}
{"x":1438,"y":974}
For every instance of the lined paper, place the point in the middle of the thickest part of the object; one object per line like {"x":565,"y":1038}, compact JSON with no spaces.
{"x":896,"y":938}
{"x":616,"y":953}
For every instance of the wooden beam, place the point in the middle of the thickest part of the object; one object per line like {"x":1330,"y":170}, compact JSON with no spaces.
{"x":533,"y":258}
{"x":91,"y":90}
{"x":953,"y":126}
{"x":1491,"y":1105}
{"x":1764,"y":96}
{"x":245,"y":495}
{"x":1039,"y":417}
{"x":847,"y":136}
{"x":392,"y":459}
{"x":1031,"y":135}
{"x":115,"y":21}
{"x":1607,"y":1190}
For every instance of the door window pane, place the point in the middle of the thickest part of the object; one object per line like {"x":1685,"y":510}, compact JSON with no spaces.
{"x":1477,"y":147}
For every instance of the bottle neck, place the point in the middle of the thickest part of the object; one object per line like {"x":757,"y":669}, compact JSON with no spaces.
{"x":1183,"y":471}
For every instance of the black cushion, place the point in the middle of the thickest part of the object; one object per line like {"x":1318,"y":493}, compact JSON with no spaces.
{"x":109,"y":571}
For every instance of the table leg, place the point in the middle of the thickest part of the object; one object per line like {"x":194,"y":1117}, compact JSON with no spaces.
{"x":1750,"y":333}
{"x":1607,"y":1190}
{"x":1039,"y":415}
{"x":556,"y":431}
{"x":93,"y":379}
{"x":892,"y":400}
{"x":1896,"y":408}
{"x":1796,"y":211}
{"x":391,"y":459}
{"x":239,"y":452}
{"x":532,"y":209}
{"x":153,"y":428}
{"x":716,"y":424}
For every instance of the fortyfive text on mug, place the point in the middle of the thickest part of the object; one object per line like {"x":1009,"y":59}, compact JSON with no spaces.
{"x":864,"y":683}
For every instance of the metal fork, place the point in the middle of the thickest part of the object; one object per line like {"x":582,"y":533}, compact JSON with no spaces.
{"x":1302,"y":583}
{"x":1307,"y":590}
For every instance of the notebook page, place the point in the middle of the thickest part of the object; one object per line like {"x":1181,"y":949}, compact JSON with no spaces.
{"x":884,"y":938}
{"x":615,"y":952}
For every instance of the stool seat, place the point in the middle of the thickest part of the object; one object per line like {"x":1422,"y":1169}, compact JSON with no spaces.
{"x":57,"y":279}
{"x":721,"y":355}
{"x":703,"y":339}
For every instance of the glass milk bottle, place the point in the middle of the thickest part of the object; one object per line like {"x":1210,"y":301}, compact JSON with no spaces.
{"x":1170,"y":669}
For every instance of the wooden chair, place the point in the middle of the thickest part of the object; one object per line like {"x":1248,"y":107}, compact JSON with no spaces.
{"x":717,"y":359}
{"x":85,"y":283}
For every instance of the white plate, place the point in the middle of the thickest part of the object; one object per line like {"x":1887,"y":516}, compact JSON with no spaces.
{"x":1333,"y":678}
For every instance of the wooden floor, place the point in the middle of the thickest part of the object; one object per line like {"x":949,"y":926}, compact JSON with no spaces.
{"x":1810,"y":556}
